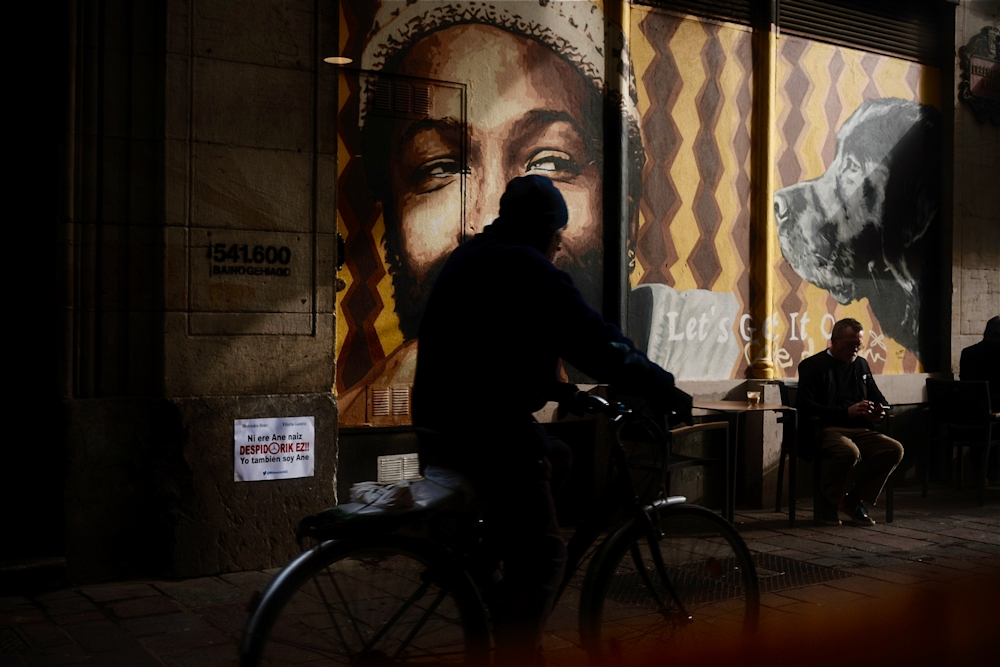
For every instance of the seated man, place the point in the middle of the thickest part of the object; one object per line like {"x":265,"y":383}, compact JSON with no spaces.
{"x":836,"y":386}
{"x":498,"y":320}
{"x":982,"y":361}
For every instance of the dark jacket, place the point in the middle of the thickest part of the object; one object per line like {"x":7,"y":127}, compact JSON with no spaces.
{"x":817,"y":396}
{"x":499,"y":318}
{"x":982,"y":362}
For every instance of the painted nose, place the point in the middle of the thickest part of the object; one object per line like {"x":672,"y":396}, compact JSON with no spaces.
{"x":780,"y":209}
{"x":482,"y":203}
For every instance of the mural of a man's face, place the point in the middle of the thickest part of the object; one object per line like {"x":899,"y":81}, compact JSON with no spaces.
{"x":530,"y":112}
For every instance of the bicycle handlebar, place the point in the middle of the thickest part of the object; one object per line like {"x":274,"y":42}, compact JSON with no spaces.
{"x":591,"y":404}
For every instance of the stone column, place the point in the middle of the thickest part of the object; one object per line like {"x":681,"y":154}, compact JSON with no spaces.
{"x":199,"y":269}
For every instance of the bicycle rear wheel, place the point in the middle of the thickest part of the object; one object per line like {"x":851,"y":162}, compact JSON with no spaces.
{"x":704,"y":595}
{"x":369,"y":601}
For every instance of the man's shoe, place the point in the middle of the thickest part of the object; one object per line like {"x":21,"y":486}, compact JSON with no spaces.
{"x":826,"y":515}
{"x":857,"y":511}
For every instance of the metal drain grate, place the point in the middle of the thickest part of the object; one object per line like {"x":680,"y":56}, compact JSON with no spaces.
{"x":11,"y":642}
{"x":717,"y":580}
{"x":778,"y":574}
{"x":696,"y":583}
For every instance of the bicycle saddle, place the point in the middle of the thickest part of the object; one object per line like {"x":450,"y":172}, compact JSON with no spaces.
{"x":441,"y":490}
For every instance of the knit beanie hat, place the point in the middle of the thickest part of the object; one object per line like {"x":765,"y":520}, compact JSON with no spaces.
{"x":531,"y":209}
{"x":575,"y":29}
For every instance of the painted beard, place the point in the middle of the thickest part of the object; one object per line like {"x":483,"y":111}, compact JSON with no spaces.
{"x":411,"y":294}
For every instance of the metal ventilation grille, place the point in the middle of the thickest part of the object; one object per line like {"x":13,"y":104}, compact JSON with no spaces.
{"x":390,"y":401}
{"x":382,"y":96}
{"x":911,"y":30}
{"x":400,"y":97}
{"x":400,"y":400}
{"x":381,"y":399}
{"x":735,"y":11}
{"x":421,"y":100}
{"x":398,"y":467}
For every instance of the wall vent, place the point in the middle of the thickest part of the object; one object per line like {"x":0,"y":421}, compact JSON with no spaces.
{"x":400,"y":400}
{"x":398,"y":467}
{"x":400,"y":98}
{"x":382,"y":96}
{"x":380,"y":402}
{"x":389,"y":406}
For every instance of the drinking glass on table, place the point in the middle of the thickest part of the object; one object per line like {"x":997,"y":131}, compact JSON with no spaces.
{"x":753,"y":398}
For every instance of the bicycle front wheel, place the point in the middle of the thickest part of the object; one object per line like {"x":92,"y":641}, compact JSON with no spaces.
{"x":369,"y":601}
{"x":703,"y":593}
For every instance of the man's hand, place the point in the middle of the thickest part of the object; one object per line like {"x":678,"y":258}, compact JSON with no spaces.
{"x":870,"y":411}
{"x":676,"y":405}
{"x":581,"y":403}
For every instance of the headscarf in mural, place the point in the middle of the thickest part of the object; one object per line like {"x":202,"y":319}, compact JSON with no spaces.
{"x":536,"y":103}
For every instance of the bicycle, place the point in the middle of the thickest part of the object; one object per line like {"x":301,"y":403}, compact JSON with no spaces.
{"x":406,"y":587}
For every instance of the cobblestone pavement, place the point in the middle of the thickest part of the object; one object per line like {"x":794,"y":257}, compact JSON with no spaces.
{"x":924,"y":589}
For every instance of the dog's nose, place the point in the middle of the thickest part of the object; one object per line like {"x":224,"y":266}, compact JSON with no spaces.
{"x":780,"y":208}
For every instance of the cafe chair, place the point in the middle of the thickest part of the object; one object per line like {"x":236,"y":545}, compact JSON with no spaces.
{"x":789,"y":450}
{"x":799,"y":441}
{"x":655,"y":450}
{"x":970,"y":421}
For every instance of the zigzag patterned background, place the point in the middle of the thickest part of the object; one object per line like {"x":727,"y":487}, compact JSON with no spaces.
{"x":694,"y":84}
{"x":367,"y":326}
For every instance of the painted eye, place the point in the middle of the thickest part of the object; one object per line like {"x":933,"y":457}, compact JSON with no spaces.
{"x":436,"y":174}
{"x":553,"y":163}
{"x":441,"y":169}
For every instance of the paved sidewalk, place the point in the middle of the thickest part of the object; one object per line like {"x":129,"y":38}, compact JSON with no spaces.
{"x":922,"y":590}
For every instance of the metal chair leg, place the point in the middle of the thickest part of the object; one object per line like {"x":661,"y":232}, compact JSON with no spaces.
{"x":984,"y":473}
{"x":781,"y":477}
{"x":817,"y":485}
{"x":889,"y":500}
{"x":793,"y":465}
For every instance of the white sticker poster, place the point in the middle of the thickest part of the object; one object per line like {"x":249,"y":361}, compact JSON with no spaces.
{"x":274,"y":448}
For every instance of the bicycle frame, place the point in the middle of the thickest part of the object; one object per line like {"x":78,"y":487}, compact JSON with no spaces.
{"x":293,"y":576}
{"x":621,"y":489}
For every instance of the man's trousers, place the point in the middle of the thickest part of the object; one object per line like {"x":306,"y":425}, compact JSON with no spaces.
{"x":877,"y":454}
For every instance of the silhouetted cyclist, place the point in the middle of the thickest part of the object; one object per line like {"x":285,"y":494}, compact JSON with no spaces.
{"x":499,"y":318}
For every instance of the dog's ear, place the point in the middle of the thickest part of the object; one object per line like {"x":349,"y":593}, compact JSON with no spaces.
{"x":913,"y":190}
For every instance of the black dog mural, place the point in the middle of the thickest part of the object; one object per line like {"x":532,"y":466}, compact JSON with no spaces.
{"x":868,"y":226}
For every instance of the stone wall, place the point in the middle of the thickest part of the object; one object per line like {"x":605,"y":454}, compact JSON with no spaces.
{"x":976,"y":240}
{"x":198,"y":253}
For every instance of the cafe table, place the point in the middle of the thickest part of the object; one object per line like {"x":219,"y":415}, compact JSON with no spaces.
{"x":736,"y":412}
